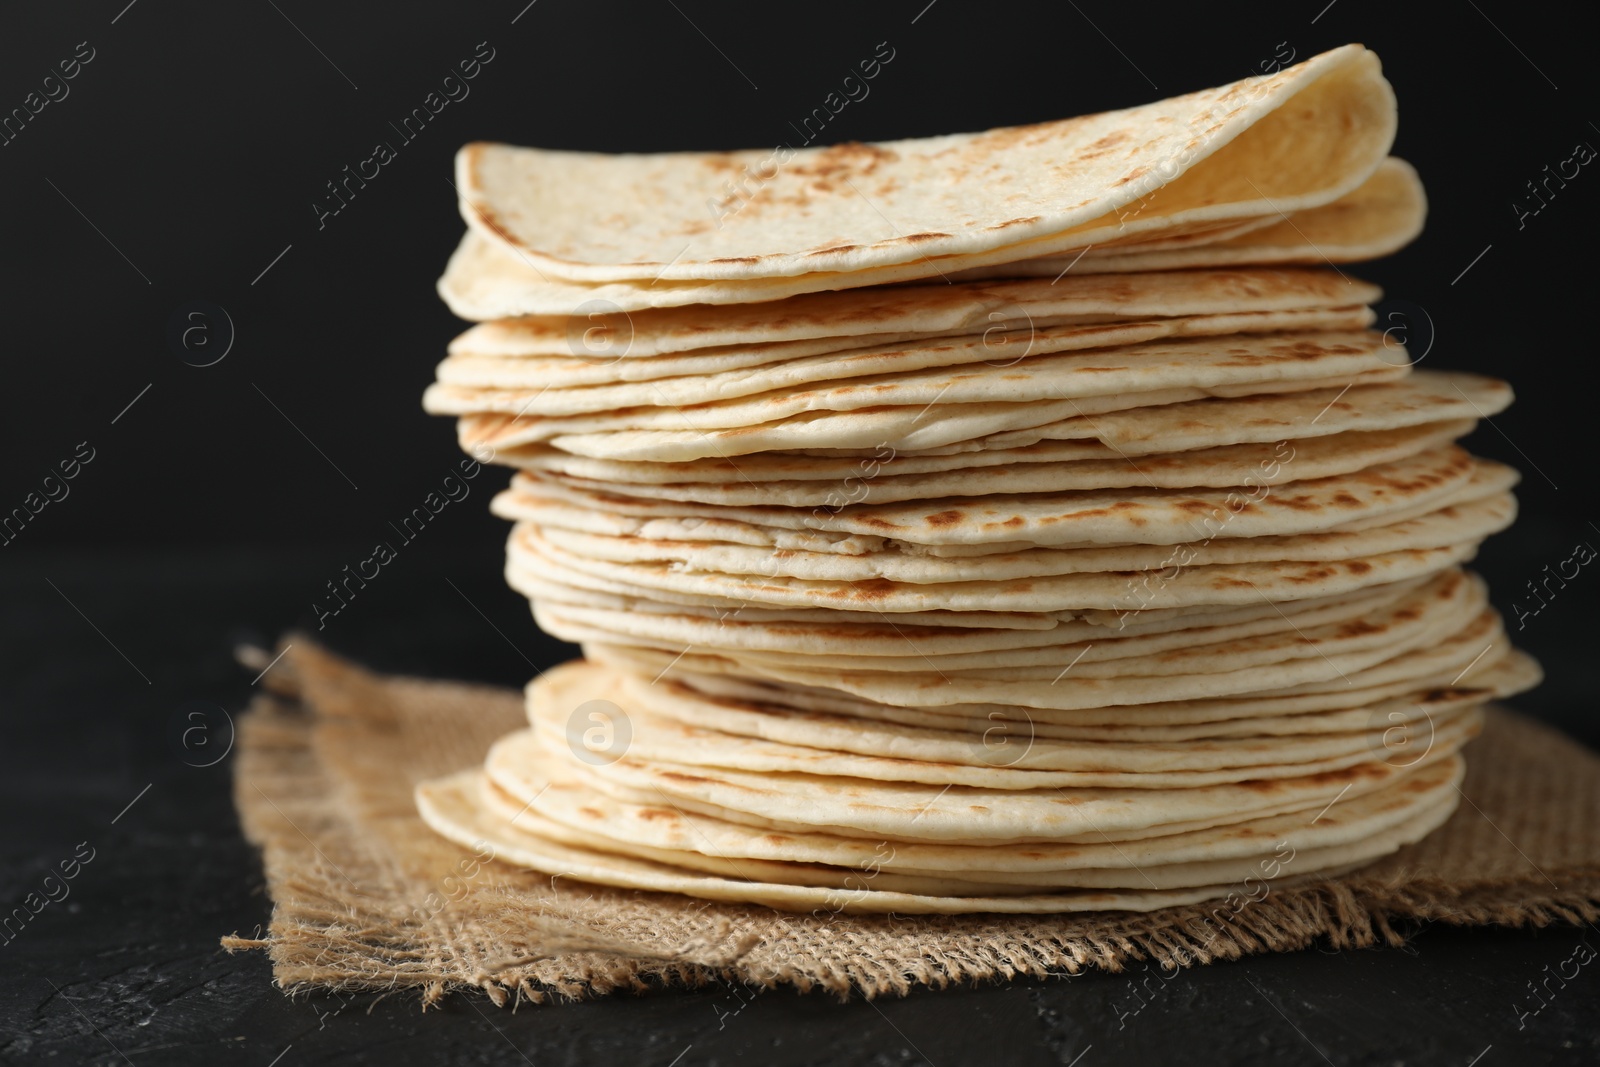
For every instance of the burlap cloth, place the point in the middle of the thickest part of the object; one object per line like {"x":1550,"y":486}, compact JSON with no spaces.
{"x":366,"y":897}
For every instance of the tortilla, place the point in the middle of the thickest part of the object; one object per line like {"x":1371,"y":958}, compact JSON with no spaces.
{"x":1297,"y":139}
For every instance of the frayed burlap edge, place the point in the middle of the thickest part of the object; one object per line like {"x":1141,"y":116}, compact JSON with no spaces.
{"x":366,"y":898}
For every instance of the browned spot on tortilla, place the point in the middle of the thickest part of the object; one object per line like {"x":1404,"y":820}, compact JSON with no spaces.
{"x":1133,"y":175}
{"x":829,"y":168}
{"x":1105,"y":144}
{"x":867,"y":589}
{"x":944,"y":518}
{"x":1330,"y":779}
{"x":834,"y":249}
{"x":1314,"y":574}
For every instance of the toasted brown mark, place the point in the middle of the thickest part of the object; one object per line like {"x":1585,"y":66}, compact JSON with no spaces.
{"x":867,"y":589}
{"x":829,"y":166}
{"x":944,"y":518}
{"x":1105,"y":144}
{"x":722,"y":161}
{"x":1332,"y":779}
{"x":833,"y":250}
{"x":1305,"y":577}
{"x":1133,"y":175}
{"x":1015,"y":222}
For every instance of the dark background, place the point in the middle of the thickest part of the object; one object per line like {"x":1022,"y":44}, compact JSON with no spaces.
{"x":186,"y":159}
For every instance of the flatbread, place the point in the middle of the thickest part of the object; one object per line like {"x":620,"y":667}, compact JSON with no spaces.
{"x":451,"y":806}
{"x":1045,"y":467}
{"x":1110,"y":517}
{"x":556,"y":790}
{"x":971,"y":523}
{"x":609,"y":347}
{"x":1154,"y":564}
{"x":1297,"y":139}
{"x":998,"y":737}
{"x":1380,"y":217}
{"x":1422,"y":396}
{"x":1463,"y":668}
{"x":915,"y":376}
{"x":696,"y":378}
{"x":945,"y":757}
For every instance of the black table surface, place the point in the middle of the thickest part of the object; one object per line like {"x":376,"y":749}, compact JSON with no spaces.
{"x":103,"y":654}
{"x":179,"y":172}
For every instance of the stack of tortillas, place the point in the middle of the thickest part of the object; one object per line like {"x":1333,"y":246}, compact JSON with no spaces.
{"x":1020,"y":521}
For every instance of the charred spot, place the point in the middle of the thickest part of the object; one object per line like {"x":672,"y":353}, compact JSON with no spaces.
{"x":944,"y":518}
